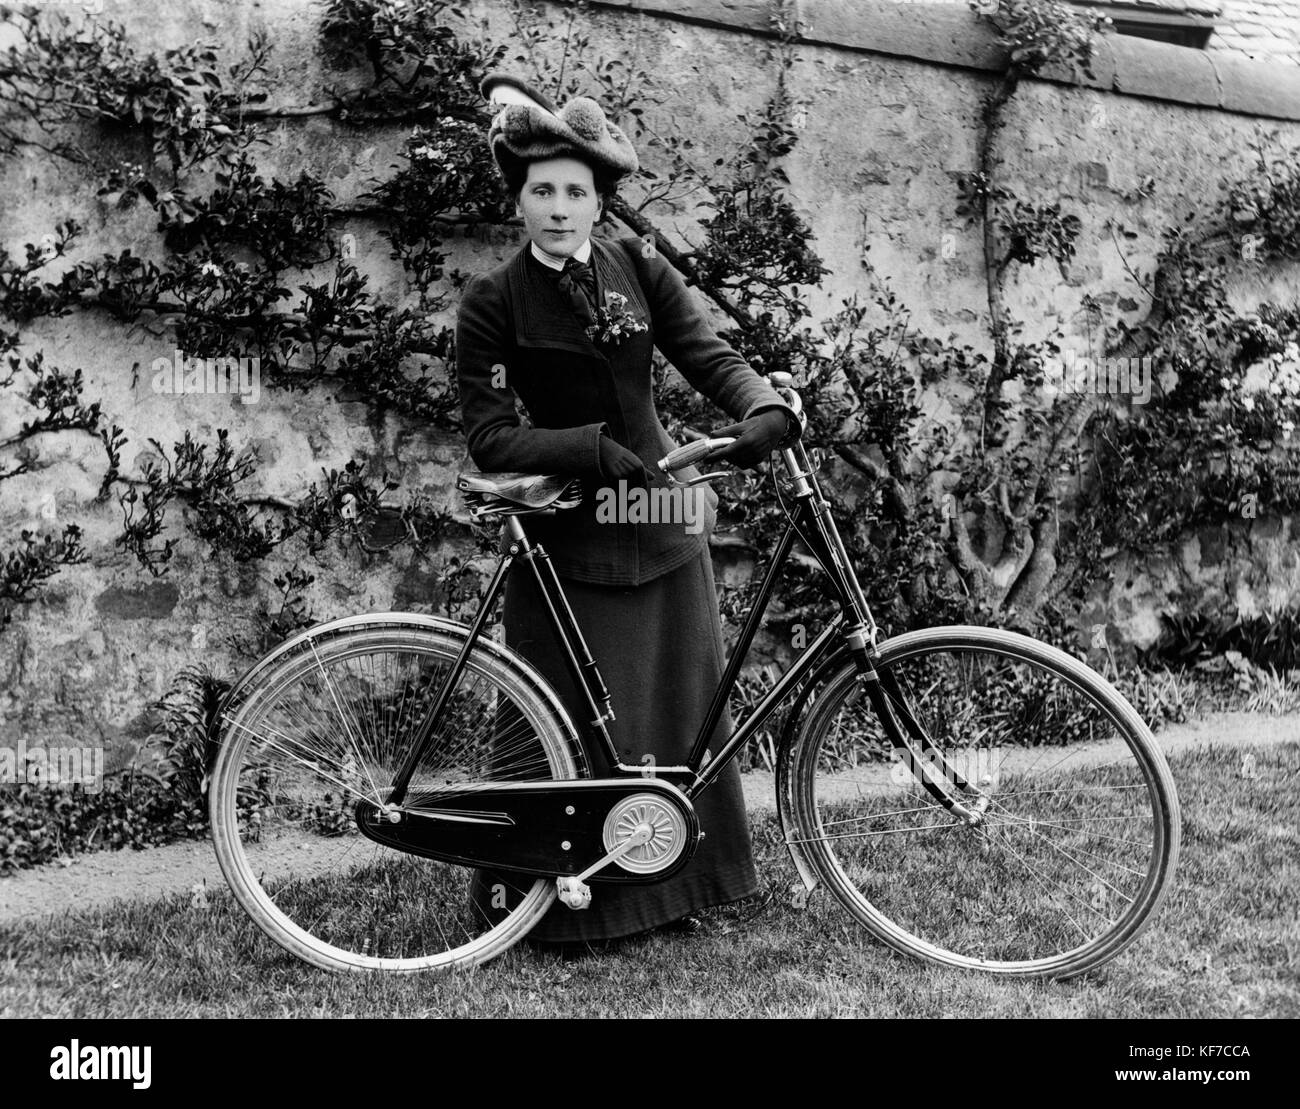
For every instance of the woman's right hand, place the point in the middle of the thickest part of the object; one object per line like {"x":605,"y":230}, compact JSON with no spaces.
{"x":618,"y":462}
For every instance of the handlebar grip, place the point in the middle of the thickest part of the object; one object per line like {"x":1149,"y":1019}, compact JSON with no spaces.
{"x":692,"y":453}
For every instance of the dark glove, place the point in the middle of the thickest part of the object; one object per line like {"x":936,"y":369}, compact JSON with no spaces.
{"x":756,"y":438}
{"x":616,"y":462}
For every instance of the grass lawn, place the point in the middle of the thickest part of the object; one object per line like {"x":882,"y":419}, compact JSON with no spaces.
{"x":1225,"y":944}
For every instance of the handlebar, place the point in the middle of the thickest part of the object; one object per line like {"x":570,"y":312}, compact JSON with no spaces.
{"x":689,"y":455}
{"x":701,"y":449}
{"x":692,"y":453}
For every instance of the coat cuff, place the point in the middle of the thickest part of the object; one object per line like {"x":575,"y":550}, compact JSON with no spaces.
{"x":792,"y":421}
{"x":601,"y":429}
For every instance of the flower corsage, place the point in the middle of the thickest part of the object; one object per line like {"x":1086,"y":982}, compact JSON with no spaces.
{"x":614,"y":322}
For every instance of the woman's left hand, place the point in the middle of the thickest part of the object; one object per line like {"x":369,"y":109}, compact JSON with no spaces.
{"x":756,"y":438}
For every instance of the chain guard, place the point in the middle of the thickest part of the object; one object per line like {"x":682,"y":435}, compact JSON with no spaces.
{"x":542,"y":828}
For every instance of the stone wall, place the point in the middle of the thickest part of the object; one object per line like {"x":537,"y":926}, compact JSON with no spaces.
{"x":895,"y":94}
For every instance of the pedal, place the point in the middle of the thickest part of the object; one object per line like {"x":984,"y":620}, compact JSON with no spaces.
{"x":574,"y":892}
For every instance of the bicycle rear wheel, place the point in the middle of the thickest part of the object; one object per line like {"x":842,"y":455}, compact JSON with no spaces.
{"x":326,"y":722}
{"x":1075,"y":849}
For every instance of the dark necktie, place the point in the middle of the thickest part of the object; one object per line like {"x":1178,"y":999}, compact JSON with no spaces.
{"x":578,"y":284}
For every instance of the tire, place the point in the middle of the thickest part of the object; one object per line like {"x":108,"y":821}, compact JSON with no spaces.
{"x":326,"y":721}
{"x":1079,"y":841}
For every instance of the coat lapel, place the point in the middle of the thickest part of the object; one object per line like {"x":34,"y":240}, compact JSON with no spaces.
{"x":542,"y":317}
{"x":614,"y":271}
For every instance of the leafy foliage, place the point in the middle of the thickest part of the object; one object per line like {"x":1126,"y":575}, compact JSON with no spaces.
{"x":413,"y":52}
{"x":1269,"y":640}
{"x":293,"y":614}
{"x":448,"y":177}
{"x":32,"y":562}
{"x":189,"y":737}
{"x":286,"y":224}
{"x":177,"y":101}
{"x":1036,"y":33}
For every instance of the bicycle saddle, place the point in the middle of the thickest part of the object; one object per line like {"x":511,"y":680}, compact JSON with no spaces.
{"x":487,"y":492}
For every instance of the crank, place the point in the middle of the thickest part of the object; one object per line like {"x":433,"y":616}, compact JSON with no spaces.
{"x":574,"y":890}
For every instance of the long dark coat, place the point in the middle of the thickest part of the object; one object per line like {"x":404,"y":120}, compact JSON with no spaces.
{"x":643,"y":593}
{"x":516,"y":334}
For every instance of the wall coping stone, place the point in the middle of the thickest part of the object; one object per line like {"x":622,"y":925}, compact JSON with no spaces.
{"x":949,"y":34}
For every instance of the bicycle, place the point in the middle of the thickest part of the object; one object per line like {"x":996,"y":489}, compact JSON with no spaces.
{"x":971,"y":796}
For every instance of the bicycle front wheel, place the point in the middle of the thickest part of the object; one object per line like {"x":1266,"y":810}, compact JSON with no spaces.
{"x":327,"y":722}
{"x":1078,"y":836}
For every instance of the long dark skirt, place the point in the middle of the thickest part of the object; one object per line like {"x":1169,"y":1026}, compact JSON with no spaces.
{"x":659,"y":648}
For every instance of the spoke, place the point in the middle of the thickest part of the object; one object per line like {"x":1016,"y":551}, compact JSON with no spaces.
{"x":1057,"y":847}
{"x":313,"y":765}
{"x":1013,"y":820}
{"x":342,"y":714}
{"x":302,"y":880}
{"x":411,"y":689}
{"x":437,"y":920}
{"x":877,"y":816}
{"x":1040,"y":880}
{"x":1123,"y":760}
{"x":1032,"y":826}
{"x":1066,"y":789}
{"x":1066,"y":890}
{"x":882,"y":832}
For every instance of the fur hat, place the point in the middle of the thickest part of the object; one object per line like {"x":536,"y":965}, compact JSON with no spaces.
{"x":528,"y":127}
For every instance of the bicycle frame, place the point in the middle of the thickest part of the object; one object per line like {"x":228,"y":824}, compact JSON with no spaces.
{"x":810,"y":520}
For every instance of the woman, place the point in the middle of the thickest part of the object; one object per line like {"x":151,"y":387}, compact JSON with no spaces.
{"x":642,"y":590}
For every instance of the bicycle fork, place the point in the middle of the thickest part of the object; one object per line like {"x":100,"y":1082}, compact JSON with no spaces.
{"x":878,"y":681}
{"x":883,"y":690}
